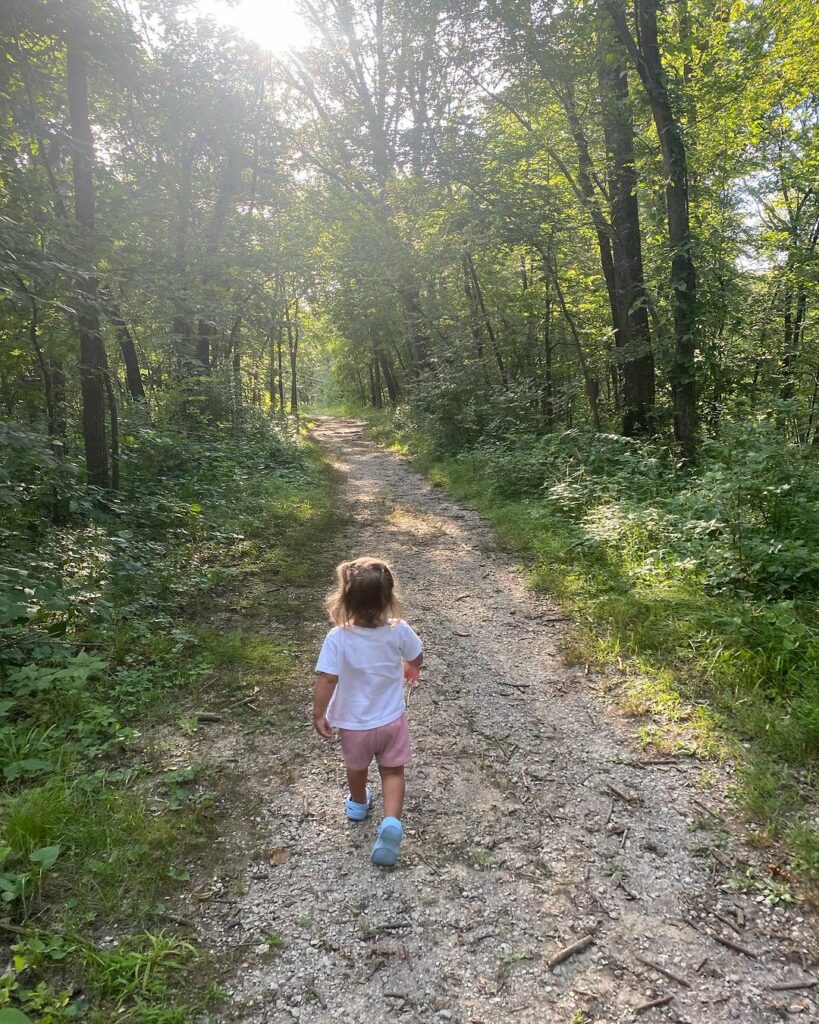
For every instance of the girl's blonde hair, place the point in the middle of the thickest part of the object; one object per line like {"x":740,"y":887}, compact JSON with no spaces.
{"x":365,"y":593}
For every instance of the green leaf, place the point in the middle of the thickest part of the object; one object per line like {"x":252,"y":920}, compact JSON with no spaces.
{"x":46,"y":857}
{"x":9,"y":1016}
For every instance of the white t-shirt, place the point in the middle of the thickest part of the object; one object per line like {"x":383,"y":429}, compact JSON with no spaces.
{"x":368,"y":663}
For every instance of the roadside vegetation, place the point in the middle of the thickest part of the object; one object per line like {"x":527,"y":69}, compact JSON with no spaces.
{"x":105,"y":639}
{"x":700,"y":584}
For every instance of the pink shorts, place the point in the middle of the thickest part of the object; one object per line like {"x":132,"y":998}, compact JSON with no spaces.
{"x":388,"y":744}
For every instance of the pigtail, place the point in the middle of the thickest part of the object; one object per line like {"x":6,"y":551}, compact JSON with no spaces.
{"x":365,"y":594}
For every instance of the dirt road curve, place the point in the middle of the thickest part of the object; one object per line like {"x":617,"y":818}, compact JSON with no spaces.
{"x":532,"y":822}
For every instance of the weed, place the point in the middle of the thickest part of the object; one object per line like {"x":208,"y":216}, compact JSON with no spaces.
{"x":770,"y":891}
{"x":507,"y":964}
{"x":273,"y":941}
{"x":480,"y":859}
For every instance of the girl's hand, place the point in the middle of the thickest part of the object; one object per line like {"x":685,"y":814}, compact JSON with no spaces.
{"x":411,"y":674}
{"x":322,"y":727}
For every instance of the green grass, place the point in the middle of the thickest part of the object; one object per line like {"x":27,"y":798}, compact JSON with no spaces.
{"x":718,"y":672}
{"x":187,"y":611}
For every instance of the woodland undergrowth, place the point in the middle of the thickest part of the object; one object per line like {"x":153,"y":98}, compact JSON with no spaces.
{"x":104,"y":636}
{"x":699,"y":584}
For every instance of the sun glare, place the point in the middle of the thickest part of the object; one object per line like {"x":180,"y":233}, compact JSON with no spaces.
{"x":273,"y":24}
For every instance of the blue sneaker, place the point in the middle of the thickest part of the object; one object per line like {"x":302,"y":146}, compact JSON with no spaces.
{"x":358,"y":812}
{"x":388,"y":843}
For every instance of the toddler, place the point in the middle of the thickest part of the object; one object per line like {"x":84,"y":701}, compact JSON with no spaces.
{"x":361,"y":670}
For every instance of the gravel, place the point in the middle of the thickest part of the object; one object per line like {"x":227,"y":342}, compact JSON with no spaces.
{"x":528,"y":825}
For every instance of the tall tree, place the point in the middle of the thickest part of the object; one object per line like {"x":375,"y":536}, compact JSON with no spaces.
{"x":644,"y":51}
{"x":93,"y":359}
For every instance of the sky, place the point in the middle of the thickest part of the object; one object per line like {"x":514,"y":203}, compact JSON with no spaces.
{"x":273,"y":24}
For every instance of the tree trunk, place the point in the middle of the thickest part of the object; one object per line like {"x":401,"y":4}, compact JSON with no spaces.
{"x":474,"y":322}
{"x":413,"y":313}
{"x":378,"y":397}
{"x":133,"y":378}
{"x":271,"y":368}
{"x":646,"y":58}
{"x":114,"y":416}
{"x":93,"y":359}
{"x":203,"y":335}
{"x":235,"y":345}
{"x":279,"y":346}
{"x":490,"y":331}
{"x":389,"y":377}
{"x":591,"y":384}
{"x":632,"y":336}
{"x":293,"y":349}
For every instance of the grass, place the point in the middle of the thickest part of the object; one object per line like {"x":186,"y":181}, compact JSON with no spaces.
{"x":96,"y":838}
{"x":702,"y":671}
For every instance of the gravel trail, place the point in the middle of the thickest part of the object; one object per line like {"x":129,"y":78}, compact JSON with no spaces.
{"x":532,"y":822}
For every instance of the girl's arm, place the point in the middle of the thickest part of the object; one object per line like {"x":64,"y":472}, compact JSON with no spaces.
{"x":325,"y":684}
{"x":411,"y":673}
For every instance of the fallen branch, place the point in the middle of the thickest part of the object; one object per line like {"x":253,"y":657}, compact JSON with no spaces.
{"x":662,"y":1001}
{"x":789,"y":986}
{"x":663,"y":970}
{"x":243,"y":701}
{"x":727,"y":921}
{"x":706,"y":808}
{"x":569,"y":951}
{"x":738,"y":947}
{"x":621,"y":795}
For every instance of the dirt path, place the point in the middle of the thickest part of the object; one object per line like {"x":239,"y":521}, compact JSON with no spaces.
{"x":532,"y":821}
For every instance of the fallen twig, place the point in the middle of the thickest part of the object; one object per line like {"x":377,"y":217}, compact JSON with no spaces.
{"x":390,"y":926}
{"x":568,"y":951}
{"x":706,"y":808}
{"x":663,"y":970}
{"x":621,"y":795}
{"x":243,"y":701}
{"x":15,"y":929}
{"x":788,"y":986}
{"x":662,"y":1001}
{"x":738,"y":947}
{"x":731,"y":924}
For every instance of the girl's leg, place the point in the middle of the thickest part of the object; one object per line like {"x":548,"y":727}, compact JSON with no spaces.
{"x":357,"y":781}
{"x":392,"y":788}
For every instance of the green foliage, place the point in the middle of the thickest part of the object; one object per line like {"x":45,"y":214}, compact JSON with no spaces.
{"x":144,"y":980}
{"x":101,"y":623}
{"x":706,"y":578}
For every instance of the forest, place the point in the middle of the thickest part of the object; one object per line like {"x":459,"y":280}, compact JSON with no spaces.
{"x":561,"y":254}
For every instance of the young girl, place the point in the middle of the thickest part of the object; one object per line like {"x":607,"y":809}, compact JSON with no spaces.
{"x":360,"y":691}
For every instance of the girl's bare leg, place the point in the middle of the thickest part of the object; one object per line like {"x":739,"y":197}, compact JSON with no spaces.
{"x":357,"y":781}
{"x":392,"y":788}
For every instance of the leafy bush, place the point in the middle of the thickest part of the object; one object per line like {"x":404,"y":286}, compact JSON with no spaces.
{"x":90,"y":627}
